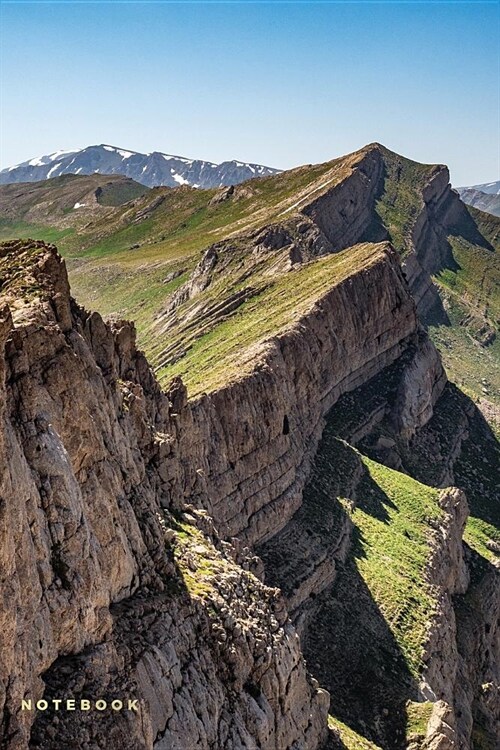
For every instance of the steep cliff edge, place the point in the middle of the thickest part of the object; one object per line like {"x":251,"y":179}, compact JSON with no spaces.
{"x":244,"y":450}
{"x":131,"y":519}
{"x":95,"y":582}
{"x":97,"y":459}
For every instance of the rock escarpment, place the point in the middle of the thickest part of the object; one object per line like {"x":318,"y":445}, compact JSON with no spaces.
{"x":362,"y":207}
{"x":131,"y":518}
{"x":95,"y":454}
{"x":243,"y":452}
{"x":344,"y":213}
{"x":457,"y":446}
{"x":88,"y":566}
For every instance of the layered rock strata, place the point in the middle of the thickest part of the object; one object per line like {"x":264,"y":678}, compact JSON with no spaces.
{"x":107,"y":584}
{"x":244,"y":451}
{"x":93,"y":454}
{"x":84,"y":433}
{"x":345,"y":213}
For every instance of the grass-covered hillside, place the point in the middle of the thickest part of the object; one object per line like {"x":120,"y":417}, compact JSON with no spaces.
{"x":142,"y":254}
{"x":470,"y":345}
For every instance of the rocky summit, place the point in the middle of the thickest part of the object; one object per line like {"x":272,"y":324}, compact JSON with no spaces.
{"x":267,"y":513}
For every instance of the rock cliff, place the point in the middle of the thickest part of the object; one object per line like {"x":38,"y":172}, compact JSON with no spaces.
{"x":362,"y":207}
{"x":94,"y":582}
{"x":243,"y":451}
{"x":143,"y":534}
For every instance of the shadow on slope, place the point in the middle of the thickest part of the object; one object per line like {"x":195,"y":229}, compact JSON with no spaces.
{"x":351,"y":650}
{"x":347,"y":563}
{"x":470,"y":229}
{"x":458,"y":446}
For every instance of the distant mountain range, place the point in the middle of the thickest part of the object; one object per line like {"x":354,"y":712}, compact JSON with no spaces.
{"x":149,"y":169}
{"x":491,"y":188}
{"x":485,"y":197}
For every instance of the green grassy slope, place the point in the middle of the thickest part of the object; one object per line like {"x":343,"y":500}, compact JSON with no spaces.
{"x":469,"y":284}
{"x":470,"y":346}
{"x":366,"y":636}
{"x":164,"y":221}
{"x":394,"y":550}
{"x":129,"y":259}
{"x":227,"y":349}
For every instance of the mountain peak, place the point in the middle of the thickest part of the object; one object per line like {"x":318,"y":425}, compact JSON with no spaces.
{"x":153,"y":169}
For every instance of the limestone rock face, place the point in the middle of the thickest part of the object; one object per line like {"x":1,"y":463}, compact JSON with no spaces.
{"x":77,"y":534}
{"x":243,"y":452}
{"x":421,"y":385}
{"x":130,"y":517}
{"x":223,"y":670}
{"x":344,"y":213}
{"x":440,"y":733}
{"x":86,"y":552}
{"x":448,"y":575}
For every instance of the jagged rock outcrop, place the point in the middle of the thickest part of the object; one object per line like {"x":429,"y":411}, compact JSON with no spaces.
{"x":347,"y":214}
{"x":448,"y":575}
{"x":223,"y":669}
{"x":458,"y":447}
{"x":477,"y":691}
{"x":87,"y":564}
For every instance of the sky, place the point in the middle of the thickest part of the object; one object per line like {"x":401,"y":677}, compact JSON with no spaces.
{"x":277,"y":83}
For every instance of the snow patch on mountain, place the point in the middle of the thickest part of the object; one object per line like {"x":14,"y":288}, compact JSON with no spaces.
{"x":156,"y":168}
{"x":178,"y":178}
{"x":490,"y":188}
{"x":54,"y":169}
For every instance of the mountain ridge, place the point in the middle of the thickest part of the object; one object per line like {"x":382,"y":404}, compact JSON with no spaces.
{"x":490,"y":188}
{"x":302,"y":425}
{"x":188,"y":244}
{"x":152,"y":169}
{"x":489,"y":202}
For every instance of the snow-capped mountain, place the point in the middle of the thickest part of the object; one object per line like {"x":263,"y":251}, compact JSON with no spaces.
{"x":491,"y":188}
{"x":485,"y":197}
{"x":149,"y":169}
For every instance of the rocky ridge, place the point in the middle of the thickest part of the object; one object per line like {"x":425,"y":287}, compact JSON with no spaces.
{"x":355,"y":204}
{"x":245,"y":454}
{"x":244,"y":450}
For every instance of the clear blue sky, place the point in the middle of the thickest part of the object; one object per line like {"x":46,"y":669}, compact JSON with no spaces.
{"x":276,"y":83}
